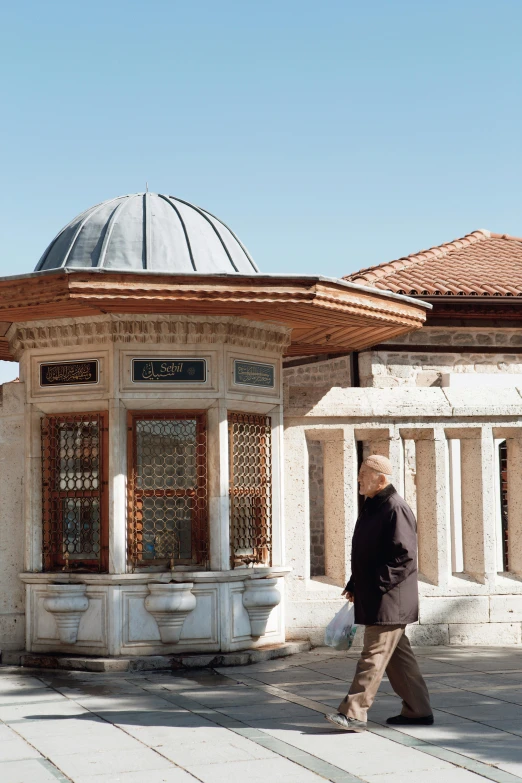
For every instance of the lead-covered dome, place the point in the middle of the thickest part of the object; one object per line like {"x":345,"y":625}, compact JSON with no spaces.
{"x":148,"y":231}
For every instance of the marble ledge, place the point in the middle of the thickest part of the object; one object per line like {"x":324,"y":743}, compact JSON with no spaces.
{"x":305,"y":402}
{"x":146,"y":577}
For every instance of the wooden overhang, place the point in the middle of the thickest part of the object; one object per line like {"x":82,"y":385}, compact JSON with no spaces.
{"x":325,"y":315}
{"x":474,"y":311}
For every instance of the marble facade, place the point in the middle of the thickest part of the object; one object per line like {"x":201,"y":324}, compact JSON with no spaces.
{"x":229,"y":609}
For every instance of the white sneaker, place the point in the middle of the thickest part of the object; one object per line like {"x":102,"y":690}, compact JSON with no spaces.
{"x":348,"y":724}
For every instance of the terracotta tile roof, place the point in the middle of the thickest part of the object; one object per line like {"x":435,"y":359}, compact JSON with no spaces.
{"x":478,"y":264}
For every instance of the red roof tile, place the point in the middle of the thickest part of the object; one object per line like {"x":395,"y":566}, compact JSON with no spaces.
{"x":479,"y":264}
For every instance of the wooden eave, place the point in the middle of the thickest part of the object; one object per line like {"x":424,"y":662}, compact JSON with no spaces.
{"x":325,"y":316}
{"x":479,"y":311}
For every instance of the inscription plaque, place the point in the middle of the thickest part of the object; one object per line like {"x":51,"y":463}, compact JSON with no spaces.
{"x":169,"y":370}
{"x":254,"y":374}
{"x":69,"y":373}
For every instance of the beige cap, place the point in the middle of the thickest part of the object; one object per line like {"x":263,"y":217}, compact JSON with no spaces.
{"x":379,"y":463}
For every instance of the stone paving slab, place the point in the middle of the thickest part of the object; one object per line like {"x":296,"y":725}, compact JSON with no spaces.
{"x":174,"y":775}
{"x":103,"y":762}
{"x":16,"y":749}
{"x":255,"y":771}
{"x":109,"y":739}
{"x":259,"y":722}
{"x":428,"y":776}
{"x":30,"y":771}
{"x":214,"y":751}
{"x":505,"y":725}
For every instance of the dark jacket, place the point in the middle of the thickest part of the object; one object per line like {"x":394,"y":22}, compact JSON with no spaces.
{"x":384,"y":562}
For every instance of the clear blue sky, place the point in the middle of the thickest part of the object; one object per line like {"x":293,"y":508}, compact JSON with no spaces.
{"x":330,"y":136}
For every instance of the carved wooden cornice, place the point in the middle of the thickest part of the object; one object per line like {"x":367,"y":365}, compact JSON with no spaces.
{"x":147,"y":330}
{"x":324,"y":315}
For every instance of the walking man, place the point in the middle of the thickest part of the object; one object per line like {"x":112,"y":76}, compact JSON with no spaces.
{"x":384,"y":589}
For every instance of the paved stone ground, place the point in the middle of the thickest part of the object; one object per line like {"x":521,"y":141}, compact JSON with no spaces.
{"x":262,"y":724}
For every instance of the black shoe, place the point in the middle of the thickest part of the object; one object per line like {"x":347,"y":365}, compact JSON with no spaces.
{"x":403,"y":720}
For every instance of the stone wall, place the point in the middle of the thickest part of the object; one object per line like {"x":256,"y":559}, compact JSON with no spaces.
{"x":469,"y":619}
{"x":332,"y":372}
{"x":12,"y":528}
{"x":388,"y":369}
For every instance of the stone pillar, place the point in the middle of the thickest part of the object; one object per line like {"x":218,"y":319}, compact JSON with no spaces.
{"x":297,"y":516}
{"x":514,"y":452}
{"x":118,"y":487}
{"x":14,"y":435}
{"x":396,"y":457}
{"x":278,"y":537}
{"x":340,"y":502}
{"x":385,"y":441}
{"x":218,"y":487}
{"x":478,"y":504}
{"x":410,"y":473}
{"x":432,"y":505}
{"x":32,"y":451}
{"x":379,"y":446}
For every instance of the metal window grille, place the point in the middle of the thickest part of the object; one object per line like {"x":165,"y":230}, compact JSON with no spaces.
{"x":250,"y":449}
{"x":168,"y":519}
{"x":74,"y":492}
{"x":503,"y":463}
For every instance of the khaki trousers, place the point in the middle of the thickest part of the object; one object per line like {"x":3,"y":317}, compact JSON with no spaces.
{"x":386,"y":649}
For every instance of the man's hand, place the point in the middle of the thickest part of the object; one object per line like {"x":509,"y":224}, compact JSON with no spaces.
{"x":347,"y":595}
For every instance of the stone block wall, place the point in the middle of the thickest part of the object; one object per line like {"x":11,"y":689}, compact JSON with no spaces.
{"x":12,"y":528}
{"x":332,"y":372}
{"x":469,"y":620}
{"x":388,"y":369}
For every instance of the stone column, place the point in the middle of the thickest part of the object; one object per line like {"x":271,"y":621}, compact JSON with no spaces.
{"x":340,"y":502}
{"x":277,"y":488}
{"x":396,"y":457}
{"x":432,"y":505}
{"x":32,"y":450}
{"x":385,"y":441}
{"x":478,"y":504}
{"x":14,"y":437}
{"x":410,"y":473}
{"x":118,"y":487}
{"x":218,"y":487}
{"x":514,"y":452}
{"x":297,"y":512}
{"x":376,"y":440}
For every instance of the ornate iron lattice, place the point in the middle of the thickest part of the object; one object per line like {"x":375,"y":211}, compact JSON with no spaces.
{"x":74,"y":492}
{"x":250,"y":449}
{"x":168,"y":517}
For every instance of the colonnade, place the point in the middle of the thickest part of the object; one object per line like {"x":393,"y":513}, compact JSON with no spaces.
{"x":430,"y":492}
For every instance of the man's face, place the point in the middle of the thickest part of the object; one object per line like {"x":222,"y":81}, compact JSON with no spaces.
{"x":370,"y":482}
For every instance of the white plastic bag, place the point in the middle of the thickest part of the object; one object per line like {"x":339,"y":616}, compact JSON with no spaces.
{"x":340,"y":631}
